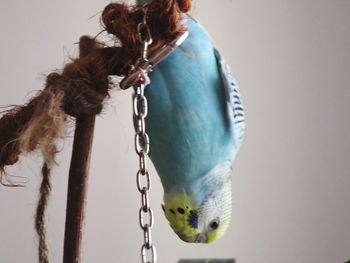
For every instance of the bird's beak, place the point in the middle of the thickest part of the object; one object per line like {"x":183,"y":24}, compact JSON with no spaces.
{"x":201,"y":238}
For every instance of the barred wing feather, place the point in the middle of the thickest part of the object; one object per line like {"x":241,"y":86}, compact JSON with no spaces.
{"x":235,"y":108}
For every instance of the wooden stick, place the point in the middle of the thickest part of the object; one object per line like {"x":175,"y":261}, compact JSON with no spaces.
{"x":78,"y":180}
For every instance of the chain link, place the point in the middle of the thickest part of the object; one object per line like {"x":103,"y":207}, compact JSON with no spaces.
{"x":143,"y":179}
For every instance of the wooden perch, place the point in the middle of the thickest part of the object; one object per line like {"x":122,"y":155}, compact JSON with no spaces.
{"x":78,"y":178}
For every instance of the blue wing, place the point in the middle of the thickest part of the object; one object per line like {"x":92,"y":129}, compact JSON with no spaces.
{"x":235,"y":109}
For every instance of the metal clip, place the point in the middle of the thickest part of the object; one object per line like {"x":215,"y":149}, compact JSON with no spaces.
{"x":155,"y":58}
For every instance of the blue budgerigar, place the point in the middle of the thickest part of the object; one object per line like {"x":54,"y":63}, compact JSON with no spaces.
{"x":196,"y":126}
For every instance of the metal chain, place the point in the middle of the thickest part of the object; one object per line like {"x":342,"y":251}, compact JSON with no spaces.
{"x":138,"y":79}
{"x":143,"y":179}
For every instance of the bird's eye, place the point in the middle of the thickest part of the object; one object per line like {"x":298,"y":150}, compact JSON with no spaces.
{"x":214,"y":224}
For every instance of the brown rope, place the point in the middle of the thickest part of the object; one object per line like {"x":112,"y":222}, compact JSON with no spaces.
{"x":45,"y":190}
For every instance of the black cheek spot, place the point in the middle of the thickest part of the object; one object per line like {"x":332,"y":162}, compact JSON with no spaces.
{"x":181,"y":210}
{"x":191,"y":212}
{"x":172,"y":211}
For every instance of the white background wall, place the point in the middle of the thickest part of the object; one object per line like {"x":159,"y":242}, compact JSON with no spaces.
{"x":291,"y":178}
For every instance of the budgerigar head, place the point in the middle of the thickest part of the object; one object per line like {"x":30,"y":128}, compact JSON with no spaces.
{"x":199,"y":215}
